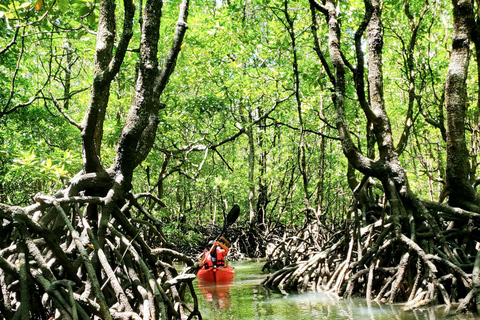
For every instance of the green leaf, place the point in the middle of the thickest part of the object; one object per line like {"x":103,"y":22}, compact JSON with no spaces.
{"x":92,"y":19}
{"x":63,"y":5}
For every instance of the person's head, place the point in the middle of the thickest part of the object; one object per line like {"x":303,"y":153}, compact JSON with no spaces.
{"x":210,"y":243}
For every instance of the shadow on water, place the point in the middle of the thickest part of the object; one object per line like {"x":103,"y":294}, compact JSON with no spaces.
{"x":244,"y":298}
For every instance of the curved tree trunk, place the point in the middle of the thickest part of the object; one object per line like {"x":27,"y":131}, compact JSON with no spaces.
{"x":106,"y":68}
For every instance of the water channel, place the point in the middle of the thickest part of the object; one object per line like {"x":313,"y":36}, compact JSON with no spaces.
{"x":245,"y":298}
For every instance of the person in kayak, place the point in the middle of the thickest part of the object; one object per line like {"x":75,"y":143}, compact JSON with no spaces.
{"x":215,"y":256}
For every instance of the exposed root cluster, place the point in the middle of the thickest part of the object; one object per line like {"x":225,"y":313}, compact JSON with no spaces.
{"x":429,"y":257}
{"x":247,"y":243}
{"x":82,"y":257}
{"x":296,"y":245}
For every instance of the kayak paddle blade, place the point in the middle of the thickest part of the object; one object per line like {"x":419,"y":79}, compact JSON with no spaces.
{"x":233,"y":215}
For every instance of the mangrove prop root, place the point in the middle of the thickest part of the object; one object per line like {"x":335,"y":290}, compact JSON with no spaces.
{"x":80,"y":257}
{"x":432,"y":259}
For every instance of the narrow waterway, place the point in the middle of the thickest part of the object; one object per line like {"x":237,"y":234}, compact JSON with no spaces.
{"x":244,"y":298}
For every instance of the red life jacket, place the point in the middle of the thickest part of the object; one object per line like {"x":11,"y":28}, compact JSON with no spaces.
{"x":219,"y":261}
{"x":220,"y":257}
{"x":207,"y":261}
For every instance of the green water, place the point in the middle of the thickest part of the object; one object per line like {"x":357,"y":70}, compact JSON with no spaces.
{"x":244,"y":298}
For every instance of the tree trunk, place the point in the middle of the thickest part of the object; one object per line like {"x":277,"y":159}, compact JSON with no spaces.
{"x":248,"y":123}
{"x":262,"y":198}
{"x":461,"y":192}
{"x":251,"y":174}
{"x":106,"y":68}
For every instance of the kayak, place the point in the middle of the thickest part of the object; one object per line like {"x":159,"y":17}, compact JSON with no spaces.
{"x":216,"y":274}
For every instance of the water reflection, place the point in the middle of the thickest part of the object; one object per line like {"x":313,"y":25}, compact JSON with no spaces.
{"x":245,"y":299}
{"x":217,"y":294}
{"x":321,"y":306}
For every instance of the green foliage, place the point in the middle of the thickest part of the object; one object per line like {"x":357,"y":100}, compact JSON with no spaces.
{"x":234,"y":67}
{"x":39,"y":154}
{"x":216,"y":89}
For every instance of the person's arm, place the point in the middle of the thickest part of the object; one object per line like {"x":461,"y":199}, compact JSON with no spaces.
{"x":224,"y":247}
{"x":224,"y":241}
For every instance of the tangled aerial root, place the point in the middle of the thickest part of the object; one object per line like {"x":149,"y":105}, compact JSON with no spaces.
{"x":80,"y":257}
{"x":438,"y":263}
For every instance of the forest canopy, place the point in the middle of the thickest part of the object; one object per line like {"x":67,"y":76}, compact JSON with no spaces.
{"x":347,"y":131}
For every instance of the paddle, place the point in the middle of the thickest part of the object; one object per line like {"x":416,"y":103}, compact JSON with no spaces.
{"x":232,"y":216}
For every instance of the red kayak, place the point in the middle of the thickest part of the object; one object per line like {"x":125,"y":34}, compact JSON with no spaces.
{"x":216,"y":274}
